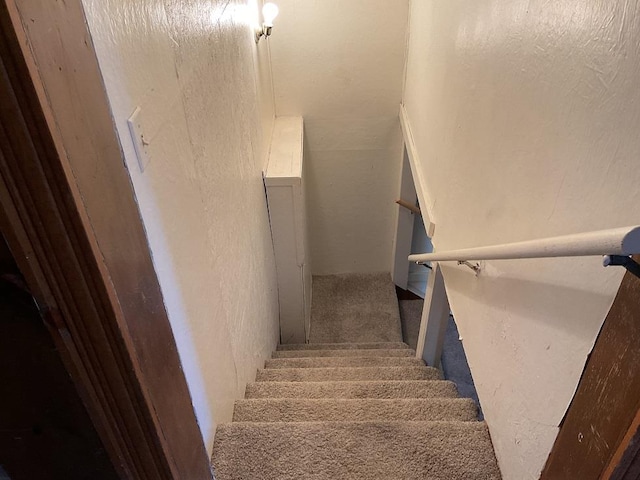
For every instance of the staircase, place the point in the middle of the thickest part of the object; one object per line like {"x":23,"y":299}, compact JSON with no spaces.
{"x":352,"y":411}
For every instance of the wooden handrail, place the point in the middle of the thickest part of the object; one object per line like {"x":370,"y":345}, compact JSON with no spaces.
{"x":408,"y":206}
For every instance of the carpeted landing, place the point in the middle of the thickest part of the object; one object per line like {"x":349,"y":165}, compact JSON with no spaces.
{"x":317,"y":412}
{"x":354,"y":308}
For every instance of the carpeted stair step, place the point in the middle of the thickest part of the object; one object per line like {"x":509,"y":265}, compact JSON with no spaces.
{"x":347,"y":374}
{"x":372,"y":352}
{"x":354,"y":410}
{"x":360,"y":389}
{"x":354,"y":450}
{"x":342,"y":346}
{"x":322,"y":362}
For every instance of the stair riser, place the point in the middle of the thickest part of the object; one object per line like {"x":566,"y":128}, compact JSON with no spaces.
{"x":343,"y":362}
{"x":405,"y":352}
{"x":370,"y":389}
{"x":342,"y":346}
{"x":296,"y":410}
{"x":347,"y":374}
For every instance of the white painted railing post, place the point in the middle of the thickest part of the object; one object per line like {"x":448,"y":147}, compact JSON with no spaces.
{"x":435,"y":317}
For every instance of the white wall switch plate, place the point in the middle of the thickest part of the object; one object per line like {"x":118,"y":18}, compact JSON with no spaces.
{"x":140,"y":142}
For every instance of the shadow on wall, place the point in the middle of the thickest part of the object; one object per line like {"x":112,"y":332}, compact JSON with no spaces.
{"x":540,"y":302}
{"x":455,"y":365}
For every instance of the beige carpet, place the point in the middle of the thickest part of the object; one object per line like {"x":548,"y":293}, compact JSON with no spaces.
{"x":327,"y":362}
{"x":343,"y":410}
{"x":344,"y":346}
{"x":347,"y":374}
{"x":373,"y":352}
{"x":351,"y":410}
{"x":354,"y":308}
{"x":357,"y":389}
{"x":354,"y":450}
{"x":302,"y":419}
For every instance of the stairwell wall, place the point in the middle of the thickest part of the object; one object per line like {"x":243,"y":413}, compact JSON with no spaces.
{"x":204,"y":88}
{"x":339,"y":65}
{"x":524,"y":116}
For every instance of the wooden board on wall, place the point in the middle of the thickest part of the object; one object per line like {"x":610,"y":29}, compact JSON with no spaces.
{"x":67,"y":188}
{"x":608,"y":395}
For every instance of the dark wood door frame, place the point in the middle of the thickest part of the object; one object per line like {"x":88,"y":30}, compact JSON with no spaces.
{"x":598,"y":437}
{"x":79,"y":261}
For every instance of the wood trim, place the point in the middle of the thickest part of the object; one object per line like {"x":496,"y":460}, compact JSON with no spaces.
{"x":409,"y":206}
{"x":418,"y":177}
{"x":608,"y":395}
{"x":43,"y":212}
{"x":71,"y":220}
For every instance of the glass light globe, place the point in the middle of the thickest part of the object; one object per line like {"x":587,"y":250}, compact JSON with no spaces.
{"x":269,"y":12}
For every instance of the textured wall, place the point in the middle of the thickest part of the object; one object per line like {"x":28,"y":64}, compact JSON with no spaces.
{"x":207,"y":112}
{"x":525,"y":117}
{"x":339,"y":65}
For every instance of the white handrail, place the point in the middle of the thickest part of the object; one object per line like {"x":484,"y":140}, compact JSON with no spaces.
{"x":616,"y":241}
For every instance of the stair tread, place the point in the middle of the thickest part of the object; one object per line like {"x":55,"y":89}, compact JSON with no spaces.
{"x":368,"y":409}
{"x":347,"y":373}
{"x":320,"y":362}
{"x":353,"y":389}
{"x":371,"y":352}
{"x":342,"y":346}
{"x":354,"y":450}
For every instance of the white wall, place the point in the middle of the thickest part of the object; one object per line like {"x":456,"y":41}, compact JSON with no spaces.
{"x":207,"y":111}
{"x":339,"y":64}
{"x":525,"y":115}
